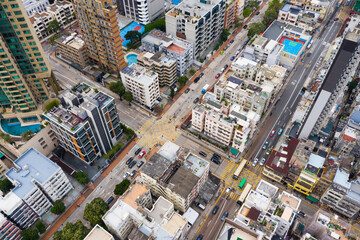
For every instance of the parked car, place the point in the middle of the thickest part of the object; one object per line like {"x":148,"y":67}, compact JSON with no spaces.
{"x":196,"y":100}
{"x":265,"y":145}
{"x":255,"y":162}
{"x":302,"y":214}
{"x":137,"y":151}
{"x":200,"y":237}
{"x":228,"y":189}
{"x":159,"y":99}
{"x":226,"y":214}
{"x":132,"y":164}
{"x":217,"y":156}
{"x":187,"y":90}
{"x":216,"y":208}
{"x":201,"y":74}
{"x":140,"y":164}
{"x":133,"y":173}
{"x":268,"y":151}
{"x":129,"y":160}
{"x":239,"y":202}
{"x":226,"y":66}
{"x":280,"y":131}
{"x":335,"y":19}
{"x":142,"y":154}
{"x":232,"y":41}
{"x":215,"y":160}
{"x":126,"y":175}
{"x":217,"y":75}
{"x":272,"y":132}
{"x":257,"y":13}
{"x":245,"y":27}
{"x":202,"y":154}
{"x":196,"y":79}
{"x":262,"y":162}
{"x":232,"y":58}
{"x":109,"y":200}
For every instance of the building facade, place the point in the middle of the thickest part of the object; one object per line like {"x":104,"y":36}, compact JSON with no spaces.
{"x":61,"y":11}
{"x":24,"y":69}
{"x":40,"y":22}
{"x":86,"y":123}
{"x":101,"y":33}
{"x":142,"y":83}
{"x":176,"y":48}
{"x":165,"y":67}
{"x":141,"y":11}
{"x":230,"y":13}
{"x":33,"y":6}
{"x":199,"y":22}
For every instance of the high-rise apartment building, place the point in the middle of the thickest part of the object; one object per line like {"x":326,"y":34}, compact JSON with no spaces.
{"x":141,"y":11}
{"x":24,"y":70}
{"x":101,"y":32}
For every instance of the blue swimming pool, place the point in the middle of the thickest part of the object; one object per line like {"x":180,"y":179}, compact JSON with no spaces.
{"x":132,"y":58}
{"x":134,"y":26}
{"x":16,"y":128}
{"x":292,"y":47}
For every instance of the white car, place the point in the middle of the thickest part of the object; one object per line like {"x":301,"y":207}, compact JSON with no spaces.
{"x":255,"y":162}
{"x":126,"y":175}
{"x":228,"y":189}
{"x":262,"y":162}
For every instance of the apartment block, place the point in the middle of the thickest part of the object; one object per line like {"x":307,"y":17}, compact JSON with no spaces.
{"x":142,"y":83}
{"x":164,"y":66}
{"x":72,"y":48}
{"x":62,"y":11}
{"x":177,"y":181}
{"x":199,"y":22}
{"x":101,"y":33}
{"x":86,"y":123}
{"x":230,"y":13}
{"x":40,"y":22}
{"x":24,"y":69}
{"x":38,"y":181}
{"x":135,"y":216}
{"x":320,"y":6}
{"x":343,"y":196}
{"x":174,"y":47}
{"x":141,"y":11}
{"x":35,"y":6}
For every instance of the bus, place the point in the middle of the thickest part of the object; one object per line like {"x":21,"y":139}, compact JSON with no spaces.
{"x":242,"y":183}
{"x":239,"y":169}
{"x":244,"y":193}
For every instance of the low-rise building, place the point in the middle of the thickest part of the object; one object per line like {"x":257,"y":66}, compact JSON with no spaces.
{"x":62,"y":11}
{"x":320,"y":6}
{"x":164,"y":66}
{"x":72,"y":48}
{"x":38,"y":181}
{"x":40,"y":22}
{"x":86,"y":123}
{"x":135,"y":216}
{"x":174,"y":47}
{"x":98,"y":233}
{"x":142,"y":83}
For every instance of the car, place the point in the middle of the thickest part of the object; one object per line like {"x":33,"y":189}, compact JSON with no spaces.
{"x":137,"y":151}
{"x":245,"y":27}
{"x":239,"y":202}
{"x":217,"y":75}
{"x":140,"y":164}
{"x":201,"y":74}
{"x":265,"y":145}
{"x":225,"y":48}
{"x":280,"y":131}
{"x":187,"y":90}
{"x":126,"y":175}
{"x":202,"y":154}
{"x":335,"y":19}
{"x":228,"y":189}
{"x":216,"y":156}
{"x":159,"y":99}
{"x":142,"y":154}
{"x":196,"y":100}
{"x":255,"y":162}
{"x":129,"y":160}
{"x":132,"y":164}
{"x":262,"y":162}
{"x":133,"y":173}
{"x":232,"y":41}
{"x":222,"y":52}
{"x":215,"y":160}
{"x":110,"y":199}
{"x":257,"y":13}
{"x":196,"y":79}
{"x":216,"y":208}
{"x":272,"y":132}
{"x":226,"y":66}
{"x":200,"y":237}
{"x":232,"y":58}
{"x":224,"y":216}
{"x":302,"y":214}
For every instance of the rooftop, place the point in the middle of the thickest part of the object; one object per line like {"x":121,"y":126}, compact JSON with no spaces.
{"x":9,"y":202}
{"x":156,"y":166}
{"x":232,"y":231}
{"x":141,"y":74}
{"x":31,"y":167}
{"x":158,"y":57}
{"x":136,"y":191}
{"x":169,"y":150}
{"x":197,"y":165}
{"x":171,"y":43}
{"x":275,"y":30}
{"x":290,"y":200}
{"x":341,"y":178}
{"x":261,"y":202}
{"x":267,"y":189}
{"x":183,"y":181}
{"x":175,"y":223}
{"x":160,"y":210}
{"x":98,"y":233}
{"x":294,"y":9}
{"x":71,"y":39}
{"x":316,"y":161}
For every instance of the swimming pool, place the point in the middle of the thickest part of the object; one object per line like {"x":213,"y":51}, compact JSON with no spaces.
{"x":16,"y":129}
{"x":134,"y":26}
{"x":292,"y":47}
{"x":132,"y":58}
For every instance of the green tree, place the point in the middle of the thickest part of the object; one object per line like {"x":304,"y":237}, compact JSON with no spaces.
{"x":157,"y":24}
{"x":224,"y":35}
{"x":172,"y":92}
{"x":53,"y":26}
{"x":276,"y":5}
{"x":82,"y":177}
{"x":121,"y":187}
{"x":72,"y":231}
{"x":255,"y":28}
{"x":40,"y":227}
{"x":253,"y":5}
{"x":6,"y":185}
{"x":52,"y":104}
{"x":26,"y":136}
{"x":30,"y":234}
{"x":95,"y":210}
{"x":192,"y":72}
{"x":133,"y":36}
{"x":246,"y":12}
{"x":270,"y":15}
{"x":58,"y":208}
{"x":118,"y":88}
{"x":182,"y":80}
{"x":128,"y":97}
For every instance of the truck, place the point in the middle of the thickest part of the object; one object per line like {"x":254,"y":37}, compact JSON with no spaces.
{"x":205,"y":88}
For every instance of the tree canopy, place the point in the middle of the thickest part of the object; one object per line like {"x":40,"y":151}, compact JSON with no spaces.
{"x":58,"y":208}
{"x":95,"y":210}
{"x":118,"y":88}
{"x":53,"y":26}
{"x":182,"y":80}
{"x":133,"y":36}
{"x":27,"y":135}
{"x":121,"y":187}
{"x":72,"y":231}
{"x":172,"y":92}
{"x":253,"y":5}
{"x":256,"y":28}
{"x":30,"y":234}
{"x":82,"y":177}
{"x":158,"y":24}
{"x":40,"y":227}
{"x":246,"y":12}
{"x":6,"y":185}
{"x":128,"y":97}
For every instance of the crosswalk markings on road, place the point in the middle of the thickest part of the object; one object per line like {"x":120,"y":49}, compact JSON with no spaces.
{"x":234,"y":196}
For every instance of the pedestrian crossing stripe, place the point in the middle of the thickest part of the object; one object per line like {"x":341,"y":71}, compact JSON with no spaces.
{"x":234,"y":196}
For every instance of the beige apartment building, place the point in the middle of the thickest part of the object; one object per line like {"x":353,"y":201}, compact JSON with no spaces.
{"x":101,"y":32}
